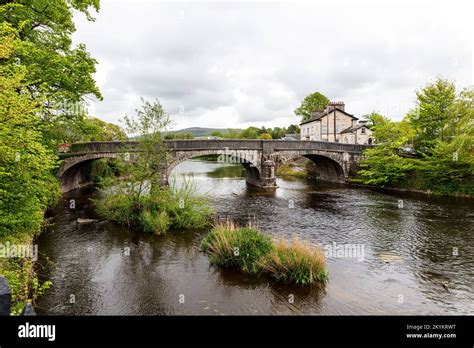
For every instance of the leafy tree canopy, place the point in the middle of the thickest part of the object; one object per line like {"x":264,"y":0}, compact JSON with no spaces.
{"x":314,"y":101}
{"x":56,"y":70}
{"x":27,"y":184}
{"x":437,"y":106}
{"x":441,"y":132}
{"x":265,"y":136}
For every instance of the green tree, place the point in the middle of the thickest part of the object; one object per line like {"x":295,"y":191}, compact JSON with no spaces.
{"x":82,"y":128}
{"x":217,"y":134}
{"x":44,"y":27}
{"x":374,"y":118}
{"x":440,"y":129}
{"x":436,"y":107}
{"x":58,"y":74}
{"x":277,"y":132}
{"x":265,"y":136}
{"x":314,"y":101}
{"x":27,"y":184}
{"x":293,"y":129}
{"x":143,"y":201}
{"x":382,"y":164}
{"x":250,"y":133}
{"x":147,"y":126}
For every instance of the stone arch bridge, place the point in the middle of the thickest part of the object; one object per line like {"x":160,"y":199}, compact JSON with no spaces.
{"x":335,"y":161}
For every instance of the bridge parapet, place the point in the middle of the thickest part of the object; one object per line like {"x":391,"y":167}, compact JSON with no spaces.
{"x":266,"y":146}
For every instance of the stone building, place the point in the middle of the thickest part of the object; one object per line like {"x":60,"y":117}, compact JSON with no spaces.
{"x":334,"y":124}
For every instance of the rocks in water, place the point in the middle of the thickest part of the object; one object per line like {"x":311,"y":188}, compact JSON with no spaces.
{"x":86,"y":221}
{"x":389,"y":256}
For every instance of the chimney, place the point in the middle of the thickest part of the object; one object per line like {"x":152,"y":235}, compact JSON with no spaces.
{"x":338,"y":104}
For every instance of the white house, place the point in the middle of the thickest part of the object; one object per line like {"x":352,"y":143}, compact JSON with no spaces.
{"x":336,"y":125}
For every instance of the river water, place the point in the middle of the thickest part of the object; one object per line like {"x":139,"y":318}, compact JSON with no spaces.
{"x":405,"y":254}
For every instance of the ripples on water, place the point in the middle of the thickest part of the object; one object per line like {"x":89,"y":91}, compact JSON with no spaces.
{"x":409,"y":264}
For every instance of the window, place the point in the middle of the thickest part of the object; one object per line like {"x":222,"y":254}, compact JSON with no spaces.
{"x":362,"y":130}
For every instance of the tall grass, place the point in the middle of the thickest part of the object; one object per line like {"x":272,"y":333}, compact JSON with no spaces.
{"x":295,"y":262}
{"x":241,"y":248}
{"x":250,"y":251}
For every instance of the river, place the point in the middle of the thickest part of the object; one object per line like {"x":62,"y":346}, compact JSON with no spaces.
{"x":412,"y":254}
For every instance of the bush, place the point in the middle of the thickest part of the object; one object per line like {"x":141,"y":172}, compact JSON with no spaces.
{"x":240,"y":248}
{"x":252,"y":252}
{"x":156,"y":222}
{"x":158,"y":211}
{"x":295,"y":262}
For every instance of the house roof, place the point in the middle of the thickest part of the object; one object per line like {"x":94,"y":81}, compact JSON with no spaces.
{"x":354,"y":128}
{"x":317,"y":116}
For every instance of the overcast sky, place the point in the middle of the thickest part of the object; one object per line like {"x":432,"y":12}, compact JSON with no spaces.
{"x":251,"y":63}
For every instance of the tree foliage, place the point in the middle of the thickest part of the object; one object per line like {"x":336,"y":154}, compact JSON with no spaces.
{"x":82,"y":128}
{"x":439,"y":135}
{"x":27,"y":184}
{"x":44,"y":28}
{"x":314,"y":101}
{"x":437,"y":107}
{"x":265,"y":136}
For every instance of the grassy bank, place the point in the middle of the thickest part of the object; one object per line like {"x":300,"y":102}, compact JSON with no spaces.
{"x":294,"y":170}
{"x":301,"y":168}
{"x":249,"y":251}
{"x":422,"y":175}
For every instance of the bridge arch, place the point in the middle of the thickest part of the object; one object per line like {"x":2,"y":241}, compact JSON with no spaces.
{"x":250,"y":160}
{"x":72,"y":174}
{"x":330,"y":166}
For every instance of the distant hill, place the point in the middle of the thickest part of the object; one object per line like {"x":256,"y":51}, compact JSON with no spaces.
{"x":203,"y":132}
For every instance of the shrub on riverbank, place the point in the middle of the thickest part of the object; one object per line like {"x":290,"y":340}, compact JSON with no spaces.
{"x":252,"y":252}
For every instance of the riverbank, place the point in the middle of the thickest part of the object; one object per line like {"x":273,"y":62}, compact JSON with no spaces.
{"x":306,"y":169}
{"x":387,"y":189}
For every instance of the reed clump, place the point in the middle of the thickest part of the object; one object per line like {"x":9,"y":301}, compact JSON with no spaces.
{"x":250,"y":251}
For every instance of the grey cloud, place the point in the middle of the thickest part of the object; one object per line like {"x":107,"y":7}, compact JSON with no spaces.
{"x":237,"y":63}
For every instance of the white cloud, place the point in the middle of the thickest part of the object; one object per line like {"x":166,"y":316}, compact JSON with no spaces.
{"x":237,"y":64}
